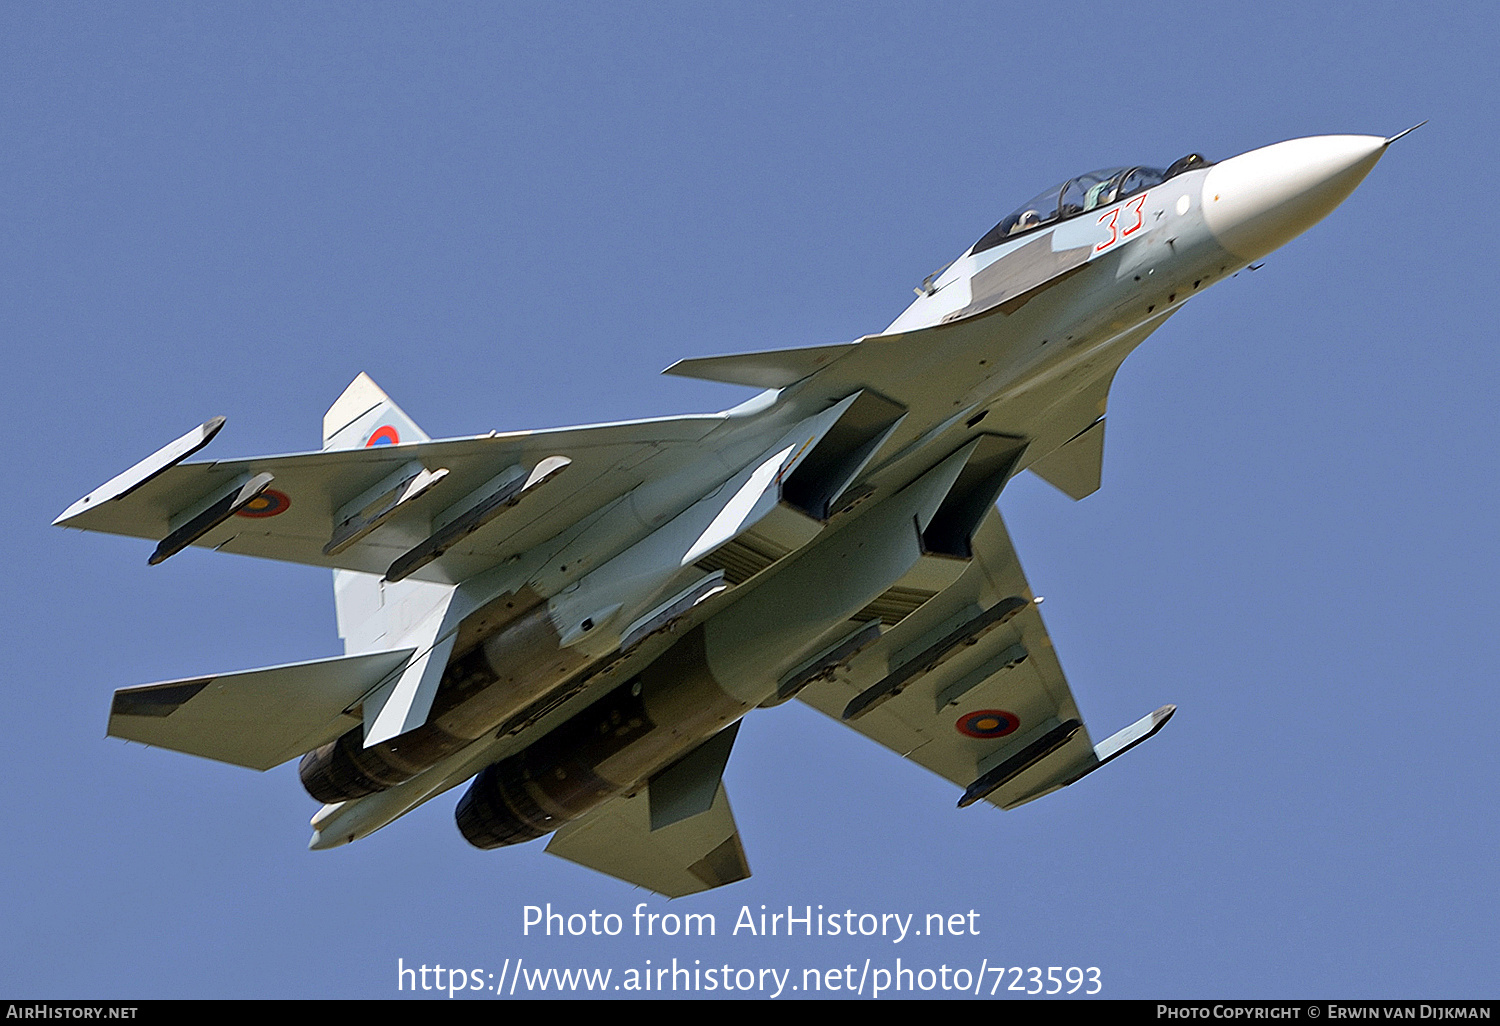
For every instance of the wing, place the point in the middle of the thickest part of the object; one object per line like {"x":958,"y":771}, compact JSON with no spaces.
{"x":970,"y":688}
{"x":691,"y":855}
{"x":318,"y":507}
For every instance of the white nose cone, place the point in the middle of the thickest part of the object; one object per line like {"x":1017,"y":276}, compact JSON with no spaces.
{"x":1263,"y":199}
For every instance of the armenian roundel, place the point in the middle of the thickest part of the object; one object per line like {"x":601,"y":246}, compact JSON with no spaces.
{"x":267,"y":504}
{"x":987,"y":723}
{"x":386,"y":435}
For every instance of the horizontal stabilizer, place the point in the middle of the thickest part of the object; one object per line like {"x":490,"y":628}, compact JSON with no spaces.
{"x":774,"y":368}
{"x":694,"y":854}
{"x":255,"y":718}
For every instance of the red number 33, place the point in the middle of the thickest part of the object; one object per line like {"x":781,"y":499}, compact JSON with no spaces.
{"x":1112,"y":218}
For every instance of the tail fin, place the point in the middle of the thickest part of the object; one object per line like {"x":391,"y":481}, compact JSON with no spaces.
{"x":364,"y":416}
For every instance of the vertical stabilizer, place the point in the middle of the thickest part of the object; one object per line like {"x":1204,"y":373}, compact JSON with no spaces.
{"x":364,"y":416}
{"x":373,"y":615}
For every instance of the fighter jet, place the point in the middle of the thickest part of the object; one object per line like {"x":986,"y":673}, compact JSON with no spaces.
{"x":575,"y":621}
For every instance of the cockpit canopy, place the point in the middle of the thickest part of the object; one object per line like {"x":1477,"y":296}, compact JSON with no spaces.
{"x":1082,"y":194}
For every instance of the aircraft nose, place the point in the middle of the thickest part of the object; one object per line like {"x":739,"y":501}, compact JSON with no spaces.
{"x":1263,"y":199}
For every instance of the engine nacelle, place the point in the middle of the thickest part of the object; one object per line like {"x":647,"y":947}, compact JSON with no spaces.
{"x":345,"y":769}
{"x":480,"y":690}
{"x":612,"y":747}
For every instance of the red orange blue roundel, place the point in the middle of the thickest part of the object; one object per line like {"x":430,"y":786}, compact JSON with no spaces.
{"x":987,"y":723}
{"x":385,"y":435}
{"x":267,"y":504}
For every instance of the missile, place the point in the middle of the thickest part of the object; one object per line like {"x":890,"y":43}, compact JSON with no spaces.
{"x":217,"y":510}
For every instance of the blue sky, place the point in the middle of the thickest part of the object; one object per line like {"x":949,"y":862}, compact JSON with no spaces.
{"x":514,"y":217}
